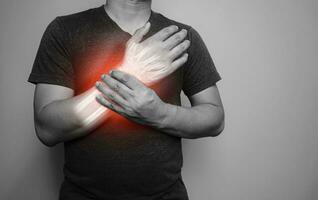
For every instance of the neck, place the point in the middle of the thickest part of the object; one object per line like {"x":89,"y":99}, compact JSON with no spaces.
{"x":131,"y":11}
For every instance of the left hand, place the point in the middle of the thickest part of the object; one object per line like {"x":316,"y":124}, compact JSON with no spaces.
{"x":129,"y":97}
{"x":157,"y":56}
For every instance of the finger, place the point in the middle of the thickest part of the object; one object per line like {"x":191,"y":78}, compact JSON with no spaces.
{"x":175,"y":39}
{"x":179,"y":49}
{"x":141,"y":32}
{"x":117,"y":86}
{"x":104,"y":102}
{"x":164,"y":33}
{"x":179,"y":62}
{"x":111,"y":94}
{"x":127,"y":79}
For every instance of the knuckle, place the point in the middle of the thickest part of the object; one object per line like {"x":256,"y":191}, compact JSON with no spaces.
{"x":169,"y":29}
{"x":178,"y":37}
{"x":162,"y":45}
{"x":129,"y":110}
{"x":149,"y":101}
{"x":166,"y":31}
{"x":183,"y":46}
{"x":111,"y":95}
{"x":130,"y":96}
{"x":124,"y":78}
{"x":136,"y":107}
{"x":116,"y":87}
{"x":148,"y":92}
{"x":144,"y":91}
{"x":104,"y":101}
{"x":184,"y":32}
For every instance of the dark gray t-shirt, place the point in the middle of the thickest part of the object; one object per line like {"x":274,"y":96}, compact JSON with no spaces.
{"x":120,"y":159}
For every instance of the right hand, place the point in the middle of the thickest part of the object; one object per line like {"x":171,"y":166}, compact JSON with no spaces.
{"x":156,"y":57}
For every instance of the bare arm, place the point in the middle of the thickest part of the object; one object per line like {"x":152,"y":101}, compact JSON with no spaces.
{"x":60,"y":116}
{"x":135,"y":101}
{"x":56,"y":117}
{"x":204,"y":118}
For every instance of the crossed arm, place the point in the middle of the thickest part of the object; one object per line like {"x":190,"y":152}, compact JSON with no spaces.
{"x":58,"y":119}
{"x":129,"y":97}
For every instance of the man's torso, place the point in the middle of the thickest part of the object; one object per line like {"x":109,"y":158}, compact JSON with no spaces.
{"x":120,"y":159}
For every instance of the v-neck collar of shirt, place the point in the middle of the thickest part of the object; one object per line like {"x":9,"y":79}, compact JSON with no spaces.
{"x":115,"y":25}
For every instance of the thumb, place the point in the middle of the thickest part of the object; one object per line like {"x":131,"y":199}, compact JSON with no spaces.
{"x":141,"y":32}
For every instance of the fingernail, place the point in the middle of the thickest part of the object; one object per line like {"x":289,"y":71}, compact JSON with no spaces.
{"x":97,"y":83}
{"x":103,"y":76}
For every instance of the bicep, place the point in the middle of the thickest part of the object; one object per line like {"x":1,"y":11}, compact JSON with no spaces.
{"x":209,"y":95}
{"x":48,"y":93}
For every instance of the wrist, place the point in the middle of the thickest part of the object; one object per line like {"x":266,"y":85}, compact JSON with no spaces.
{"x":168,"y":115}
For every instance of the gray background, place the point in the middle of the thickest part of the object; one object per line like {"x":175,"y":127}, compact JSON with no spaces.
{"x":266,"y":53}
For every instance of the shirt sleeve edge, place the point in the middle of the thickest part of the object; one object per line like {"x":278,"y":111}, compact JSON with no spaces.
{"x":50,"y":79}
{"x":203,"y":85}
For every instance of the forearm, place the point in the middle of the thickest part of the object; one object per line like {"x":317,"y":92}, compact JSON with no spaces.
{"x":195,"y":122}
{"x":68,"y":119}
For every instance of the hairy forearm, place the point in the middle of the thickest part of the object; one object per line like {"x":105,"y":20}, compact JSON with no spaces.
{"x":192,"y":122}
{"x":68,"y":119}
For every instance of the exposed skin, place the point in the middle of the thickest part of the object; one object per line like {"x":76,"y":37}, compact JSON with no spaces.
{"x":57,"y":119}
{"x":154,"y":58}
{"x":60,"y":116}
{"x":129,"y":14}
{"x":132,"y":99}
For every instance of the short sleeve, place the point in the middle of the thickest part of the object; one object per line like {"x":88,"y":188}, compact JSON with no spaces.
{"x":52,"y":62}
{"x":199,"y":71}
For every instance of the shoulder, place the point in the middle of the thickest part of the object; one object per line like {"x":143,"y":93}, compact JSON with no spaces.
{"x":162,"y":21}
{"x":66,"y":27}
{"x":76,"y":20}
{"x":166,"y":21}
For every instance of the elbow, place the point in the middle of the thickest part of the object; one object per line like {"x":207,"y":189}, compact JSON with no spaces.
{"x":219,"y":130}
{"x":46,"y":142}
{"x":221,"y":124}
{"x":213,"y":131}
{"x":45,"y":136}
